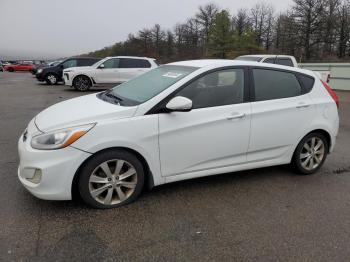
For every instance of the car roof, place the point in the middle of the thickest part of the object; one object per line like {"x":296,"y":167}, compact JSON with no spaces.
{"x":265,"y":56}
{"x":132,"y":57}
{"x":216,"y":63}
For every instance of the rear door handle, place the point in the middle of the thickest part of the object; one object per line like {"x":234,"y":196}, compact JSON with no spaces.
{"x":236,"y":116}
{"x":303,"y":105}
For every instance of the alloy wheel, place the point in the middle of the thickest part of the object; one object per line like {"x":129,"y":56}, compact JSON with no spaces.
{"x":82,"y":83}
{"x":52,"y":79}
{"x":312,"y":154}
{"x":113,"y":182}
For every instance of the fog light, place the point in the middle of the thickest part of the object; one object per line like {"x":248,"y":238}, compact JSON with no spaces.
{"x":37,"y":177}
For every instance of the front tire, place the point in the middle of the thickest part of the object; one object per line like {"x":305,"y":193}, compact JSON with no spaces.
{"x":82,"y":83}
{"x":51,"y":79}
{"x":11,"y":70}
{"x":111,"y":179}
{"x":310,"y":154}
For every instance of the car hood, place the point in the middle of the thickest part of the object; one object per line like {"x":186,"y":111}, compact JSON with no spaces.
{"x":80,"y":111}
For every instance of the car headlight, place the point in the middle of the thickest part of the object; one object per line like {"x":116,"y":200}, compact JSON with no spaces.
{"x":60,"y":138}
{"x":39,"y":71}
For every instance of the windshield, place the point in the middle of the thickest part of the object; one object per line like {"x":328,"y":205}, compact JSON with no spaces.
{"x":249,"y":58}
{"x":150,"y":84}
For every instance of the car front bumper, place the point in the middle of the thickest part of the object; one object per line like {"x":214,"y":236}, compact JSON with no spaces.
{"x":56,"y":169}
{"x":40,"y":77}
{"x":67,"y":79}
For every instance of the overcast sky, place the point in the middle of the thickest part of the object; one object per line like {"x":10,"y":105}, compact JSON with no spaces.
{"x":56,"y":28}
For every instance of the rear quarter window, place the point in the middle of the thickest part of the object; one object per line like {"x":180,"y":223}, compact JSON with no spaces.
{"x":307,"y":82}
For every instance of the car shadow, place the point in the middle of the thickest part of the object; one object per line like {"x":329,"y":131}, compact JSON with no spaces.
{"x":194,"y":186}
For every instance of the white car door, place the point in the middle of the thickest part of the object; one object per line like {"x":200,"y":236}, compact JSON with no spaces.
{"x":281,"y":114}
{"x":108,"y":72}
{"x":214,"y":134}
{"x":132,"y":67}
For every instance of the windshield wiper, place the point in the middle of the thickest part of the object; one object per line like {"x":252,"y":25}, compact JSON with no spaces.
{"x":109,"y":94}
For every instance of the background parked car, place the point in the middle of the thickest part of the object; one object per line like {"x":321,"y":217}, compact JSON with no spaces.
{"x":19,"y":67}
{"x":285,"y":60}
{"x":1,"y":67}
{"x":108,"y":71}
{"x":53,"y":74}
{"x":43,"y":65}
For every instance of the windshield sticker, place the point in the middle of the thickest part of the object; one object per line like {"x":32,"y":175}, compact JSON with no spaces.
{"x":172,"y":75}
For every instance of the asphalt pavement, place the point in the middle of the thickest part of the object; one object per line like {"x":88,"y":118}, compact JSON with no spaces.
{"x":267,"y":214}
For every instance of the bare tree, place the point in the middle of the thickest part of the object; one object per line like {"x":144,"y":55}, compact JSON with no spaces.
{"x":307,"y":15}
{"x":240,"y":22}
{"x":205,"y":17}
{"x":343,"y":29}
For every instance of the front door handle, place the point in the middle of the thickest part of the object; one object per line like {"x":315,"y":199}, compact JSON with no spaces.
{"x":303,"y":105}
{"x":236,"y":116}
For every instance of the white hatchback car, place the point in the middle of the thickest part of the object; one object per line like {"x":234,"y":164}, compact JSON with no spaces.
{"x":179,"y":121}
{"x":108,"y":71}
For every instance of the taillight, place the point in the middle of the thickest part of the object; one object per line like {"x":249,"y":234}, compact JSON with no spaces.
{"x":332,"y":93}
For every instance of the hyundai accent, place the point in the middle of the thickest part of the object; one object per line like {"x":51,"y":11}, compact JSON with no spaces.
{"x":179,"y":121}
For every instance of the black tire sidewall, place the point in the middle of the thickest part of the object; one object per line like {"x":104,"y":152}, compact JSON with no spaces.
{"x":89,"y":167}
{"x":296,"y":158}
{"x":79,"y":89}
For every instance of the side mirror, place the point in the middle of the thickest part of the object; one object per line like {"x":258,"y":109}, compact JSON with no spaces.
{"x":101,"y":66}
{"x":179,"y":104}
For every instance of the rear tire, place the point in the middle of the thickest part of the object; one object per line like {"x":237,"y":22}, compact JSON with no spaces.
{"x":310,"y":154}
{"x":82,"y":83}
{"x":51,"y":79}
{"x":111,"y":179}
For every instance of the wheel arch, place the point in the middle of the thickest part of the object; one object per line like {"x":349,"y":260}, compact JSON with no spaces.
{"x":149,"y":182}
{"x":324,"y":132}
{"x":51,"y":73}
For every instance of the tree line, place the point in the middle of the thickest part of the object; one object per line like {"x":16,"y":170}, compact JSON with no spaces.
{"x":310,"y":30}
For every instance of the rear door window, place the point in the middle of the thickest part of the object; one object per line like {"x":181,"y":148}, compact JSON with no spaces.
{"x":270,"y":60}
{"x":134,"y":63}
{"x":272,"y":84}
{"x":284,"y":61}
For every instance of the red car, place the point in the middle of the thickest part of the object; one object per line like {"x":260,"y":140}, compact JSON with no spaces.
{"x":18,"y":67}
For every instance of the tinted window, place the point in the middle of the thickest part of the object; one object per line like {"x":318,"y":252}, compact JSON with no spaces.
{"x":269,"y":60}
{"x":219,"y":88}
{"x":70,"y":63}
{"x":270,"y":84}
{"x":111,"y":63}
{"x":86,"y":62}
{"x":307,"y":82}
{"x":134,"y":63}
{"x":284,"y":61}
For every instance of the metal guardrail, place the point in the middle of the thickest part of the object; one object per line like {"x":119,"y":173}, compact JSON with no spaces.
{"x":339,"y":72}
